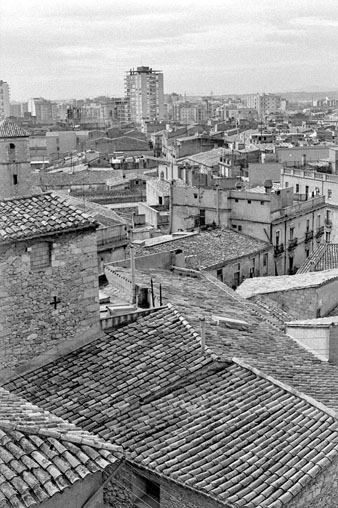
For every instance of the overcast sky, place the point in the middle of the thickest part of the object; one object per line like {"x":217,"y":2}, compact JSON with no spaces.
{"x":82,"y":48}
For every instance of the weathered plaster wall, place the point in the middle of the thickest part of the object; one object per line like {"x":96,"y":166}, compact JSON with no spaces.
{"x":29,"y":323}
{"x":79,"y":494}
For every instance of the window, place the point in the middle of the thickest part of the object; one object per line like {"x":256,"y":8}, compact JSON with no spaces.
{"x":40,"y":255}
{"x":307,"y":252}
{"x":262,"y":202}
{"x":277,"y":238}
{"x":220,"y":274}
{"x":292,"y":232}
{"x":328,"y":215}
{"x":15,"y":179}
{"x":329,"y":193}
{"x":234,"y":226}
{"x":202,"y":217}
{"x":307,"y":225}
{"x":291,"y":264}
{"x":286,"y":184}
{"x":327,"y":237}
{"x":195,"y":196}
{"x":236,"y":200}
{"x":317,"y":191}
{"x":318,"y":221}
{"x":265,"y":259}
{"x":297,"y":188}
{"x":239,"y":228}
{"x":249,"y":201}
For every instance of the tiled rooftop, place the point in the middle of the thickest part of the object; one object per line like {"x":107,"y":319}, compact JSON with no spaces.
{"x":261,"y":343}
{"x":100,"y":213}
{"x":161,"y":186}
{"x":264,"y":285}
{"x":11,"y":130}
{"x":38,"y":215}
{"x":325,"y":257}
{"x":210,"y":158}
{"x":119,"y":369}
{"x":42,"y":455}
{"x":86,"y":177}
{"x":210,"y":248}
{"x":214,"y":425}
{"x":234,"y":436}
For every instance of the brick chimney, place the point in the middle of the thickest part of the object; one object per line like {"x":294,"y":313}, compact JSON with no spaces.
{"x":333,"y":344}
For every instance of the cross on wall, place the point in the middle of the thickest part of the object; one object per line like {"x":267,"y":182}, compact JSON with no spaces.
{"x":55,"y":301}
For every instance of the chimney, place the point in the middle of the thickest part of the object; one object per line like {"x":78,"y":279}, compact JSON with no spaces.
{"x":132,"y":266}
{"x":268,"y":186}
{"x":202,"y":323}
{"x":333,"y":344}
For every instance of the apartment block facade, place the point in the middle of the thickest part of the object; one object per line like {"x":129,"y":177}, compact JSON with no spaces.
{"x":4,"y":100}
{"x":144,"y":91}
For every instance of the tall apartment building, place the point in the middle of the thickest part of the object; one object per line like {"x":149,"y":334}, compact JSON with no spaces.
{"x":144,"y":91}
{"x":264,"y":103}
{"x":4,"y":100}
{"x":43,"y":110}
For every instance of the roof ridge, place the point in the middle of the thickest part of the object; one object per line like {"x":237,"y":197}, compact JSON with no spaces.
{"x":191,"y":329}
{"x":286,"y":387}
{"x":253,"y":307}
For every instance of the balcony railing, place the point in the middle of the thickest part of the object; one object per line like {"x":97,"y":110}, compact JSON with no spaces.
{"x":308,"y":235}
{"x":320,"y":232}
{"x":293,"y":243}
{"x":279,"y":249}
{"x":328,"y":223}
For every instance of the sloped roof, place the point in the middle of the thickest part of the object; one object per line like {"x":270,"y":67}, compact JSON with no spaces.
{"x":86,"y":177}
{"x":325,"y":257}
{"x":260,"y":343}
{"x":102,"y":214}
{"x":210,"y":248}
{"x":265,"y":285}
{"x":12,"y":130}
{"x":42,"y":455}
{"x":234,"y":436}
{"x":161,"y":186}
{"x":214,"y":425}
{"x":39,"y":215}
{"x":136,"y":362}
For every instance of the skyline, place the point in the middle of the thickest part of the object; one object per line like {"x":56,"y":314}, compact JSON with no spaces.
{"x":82,"y":49}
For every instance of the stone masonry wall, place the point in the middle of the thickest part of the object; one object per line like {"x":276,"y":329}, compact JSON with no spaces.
{"x":15,"y":162}
{"x":298,"y":303}
{"x":126,"y":488}
{"x":30,"y":323}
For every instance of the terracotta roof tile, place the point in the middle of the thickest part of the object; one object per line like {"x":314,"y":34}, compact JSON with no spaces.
{"x":325,"y":257}
{"x":33,"y":216}
{"x":33,"y":465}
{"x":209,"y":248}
{"x":11,"y":130}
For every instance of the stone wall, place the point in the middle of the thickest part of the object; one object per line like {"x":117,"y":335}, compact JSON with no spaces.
{"x":127,"y":487}
{"x":15,"y":162}
{"x":41,"y":308}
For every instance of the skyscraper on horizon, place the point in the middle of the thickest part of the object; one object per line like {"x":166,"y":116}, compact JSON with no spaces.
{"x":144,"y":91}
{"x":4,"y":100}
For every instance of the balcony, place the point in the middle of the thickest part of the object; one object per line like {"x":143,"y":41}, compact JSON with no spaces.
{"x":320,"y":232}
{"x":328,"y":224}
{"x":293,"y":243}
{"x":278,"y":249}
{"x":308,"y":235}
